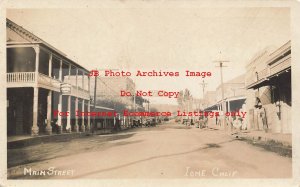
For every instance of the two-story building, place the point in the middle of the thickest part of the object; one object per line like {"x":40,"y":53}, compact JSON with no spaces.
{"x":234,"y":95}
{"x":268,"y":81}
{"x":38,"y":85}
{"x":109,"y":88}
{"x":209,"y":98}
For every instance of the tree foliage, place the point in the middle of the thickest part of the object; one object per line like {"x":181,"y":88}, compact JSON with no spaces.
{"x":184,"y":97}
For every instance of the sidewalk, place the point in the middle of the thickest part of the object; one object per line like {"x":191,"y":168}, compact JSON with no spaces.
{"x":285,"y":139}
{"x":274,"y":142}
{"x":27,"y":140}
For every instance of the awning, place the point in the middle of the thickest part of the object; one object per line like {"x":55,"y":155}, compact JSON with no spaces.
{"x":214,"y":107}
{"x":268,"y":80}
{"x":103,"y":108}
{"x":258,"y":84}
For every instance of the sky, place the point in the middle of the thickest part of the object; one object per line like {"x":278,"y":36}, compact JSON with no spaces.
{"x":167,"y":39}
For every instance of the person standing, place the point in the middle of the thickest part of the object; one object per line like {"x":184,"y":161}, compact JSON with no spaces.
{"x":262,"y":114}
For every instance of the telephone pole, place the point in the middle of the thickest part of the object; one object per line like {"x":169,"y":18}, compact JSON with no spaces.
{"x":95,"y":96}
{"x":203,"y":84}
{"x":221,"y":65}
{"x":95,"y":99}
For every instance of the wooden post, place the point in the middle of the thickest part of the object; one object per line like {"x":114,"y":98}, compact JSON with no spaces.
{"x":49,"y":107}
{"x":68,"y":128}
{"x":82,"y":117}
{"x":76,"y":129}
{"x":35,"y":128}
{"x":88,"y":117}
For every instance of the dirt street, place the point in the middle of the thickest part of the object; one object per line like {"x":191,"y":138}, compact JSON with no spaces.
{"x":167,"y":151}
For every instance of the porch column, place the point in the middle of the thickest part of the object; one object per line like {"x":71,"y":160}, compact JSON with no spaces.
{"x":49,"y":107}
{"x":76,"y":129}
{"x":50,"y":66}
{"x":82,"y":117}
{"x":89,"y":85}
{"x":124,"y":121}
{"x":77,"y":78}
{"x":59,"y":108}
{"x":37,"y":58}
{"x":69,"y":72}
{"x":35,"y":128}
{"x":68,"y":128}
{"x":228,"y":106}
{"x":88,"y":127}
{"x":60,"y":70}
{"x":49,"y":99}
{"x":82,"y":84}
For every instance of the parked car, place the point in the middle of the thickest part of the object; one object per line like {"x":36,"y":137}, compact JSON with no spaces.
{"x":185,"y":121}
{"x":177,"y":120}
{"x":150,"y":122}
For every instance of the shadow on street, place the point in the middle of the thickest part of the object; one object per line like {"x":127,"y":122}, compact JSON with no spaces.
{"x":208,"y":146}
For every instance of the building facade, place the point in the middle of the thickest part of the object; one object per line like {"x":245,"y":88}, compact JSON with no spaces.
{"x":268,"y":82}
{"x":109,"y":88}
{"x":232,"y":88}
{"x":39,"y":86}
{"x":234,"y":93}
{"x":209,"y":98}
{"x":234,"y":101}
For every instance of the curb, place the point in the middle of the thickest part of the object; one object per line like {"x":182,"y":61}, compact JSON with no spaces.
{"x":45,"y":139}
{"x":280,"y":147}
{"x":55,"y":138}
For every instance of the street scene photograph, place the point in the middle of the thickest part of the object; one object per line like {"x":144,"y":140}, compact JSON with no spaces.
{"x":149,"y":92}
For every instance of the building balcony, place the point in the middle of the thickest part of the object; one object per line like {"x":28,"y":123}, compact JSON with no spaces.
{"x":20,"y":77}
{"x":29,"y":79}
{"x":79,"y":92}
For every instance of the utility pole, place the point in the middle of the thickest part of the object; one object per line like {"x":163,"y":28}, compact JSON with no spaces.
{"x":203,"y":84}
{"x":221,"y":65}
{"x":95,"y":96}
{"x":134,"y":102}
{"x":95,"y":99}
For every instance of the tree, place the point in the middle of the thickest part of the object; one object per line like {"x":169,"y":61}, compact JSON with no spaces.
{"x":184,"y":98}
{"x":187,"y":95}
{"x":180,"y":98}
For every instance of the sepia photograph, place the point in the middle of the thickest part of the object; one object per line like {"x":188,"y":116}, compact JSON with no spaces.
{"x":149,"y":90}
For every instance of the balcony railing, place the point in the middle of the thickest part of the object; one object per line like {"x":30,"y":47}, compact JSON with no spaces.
{"x":20,"y":77}
{"x":44,"y":81}
{"x":80,"y":92}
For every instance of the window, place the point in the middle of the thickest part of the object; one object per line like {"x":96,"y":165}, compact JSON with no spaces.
{"x":44,"y":62}
{"x":55,"y":67}
{"x":20,"y":59}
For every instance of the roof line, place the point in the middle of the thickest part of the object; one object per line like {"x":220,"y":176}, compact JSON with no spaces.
{"x":27,"y":35}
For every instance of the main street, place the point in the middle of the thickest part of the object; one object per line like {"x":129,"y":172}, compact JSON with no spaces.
{"x":167,"y":151}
